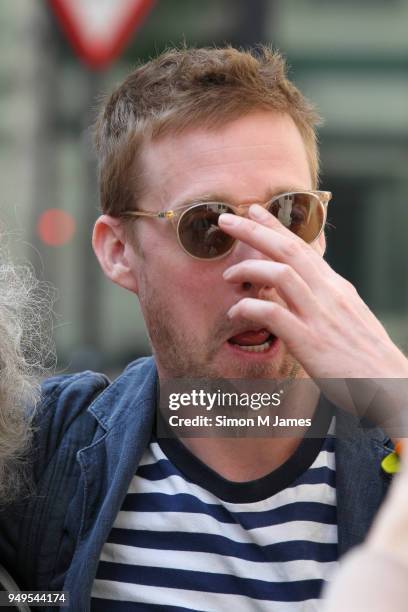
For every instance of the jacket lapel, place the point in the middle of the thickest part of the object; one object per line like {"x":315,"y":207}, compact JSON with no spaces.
{"x":125,"y":412}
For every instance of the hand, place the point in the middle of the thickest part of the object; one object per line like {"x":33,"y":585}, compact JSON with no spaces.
{"x":326,"y":326}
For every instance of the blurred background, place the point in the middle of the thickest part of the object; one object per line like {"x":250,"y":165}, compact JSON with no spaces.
{"x":350,"y":58}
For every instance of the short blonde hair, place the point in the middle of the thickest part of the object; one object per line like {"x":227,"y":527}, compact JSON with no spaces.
{"x":183,"y":88}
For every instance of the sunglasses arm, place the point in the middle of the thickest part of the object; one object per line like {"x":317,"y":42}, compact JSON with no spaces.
{"x":169,"y":214}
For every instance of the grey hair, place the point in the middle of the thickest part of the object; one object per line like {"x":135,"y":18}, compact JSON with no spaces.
{"x":26,"y":354}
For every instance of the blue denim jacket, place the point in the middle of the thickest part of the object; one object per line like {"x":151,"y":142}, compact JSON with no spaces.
{"x":90,"y":439}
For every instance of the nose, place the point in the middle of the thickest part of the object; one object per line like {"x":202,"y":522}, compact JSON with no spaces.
{"x":242,"y":252}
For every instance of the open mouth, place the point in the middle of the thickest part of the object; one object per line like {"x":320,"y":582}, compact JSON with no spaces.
{"x":253,"y":341}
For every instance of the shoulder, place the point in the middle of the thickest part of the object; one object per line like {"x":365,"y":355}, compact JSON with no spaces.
{"x":69,"y":394}
{"x":76,"y":409}
{"x":62,"y":416}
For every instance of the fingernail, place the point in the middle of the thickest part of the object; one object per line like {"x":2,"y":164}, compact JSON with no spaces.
{"x":228,"y":219}
{"x":230,"y":313}
{"x":227,"y":273}
{"x":259,"y":213}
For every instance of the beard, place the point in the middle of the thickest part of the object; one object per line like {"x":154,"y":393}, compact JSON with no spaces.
{"x":181,"y":355}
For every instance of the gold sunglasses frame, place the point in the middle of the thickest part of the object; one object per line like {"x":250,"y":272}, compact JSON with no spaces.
{"x":176,"y":215}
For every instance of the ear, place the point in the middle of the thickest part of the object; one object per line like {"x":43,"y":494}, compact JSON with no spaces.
{"x":115,"y":255}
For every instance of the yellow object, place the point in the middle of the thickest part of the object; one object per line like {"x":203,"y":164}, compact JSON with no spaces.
{"x":391,"y":463}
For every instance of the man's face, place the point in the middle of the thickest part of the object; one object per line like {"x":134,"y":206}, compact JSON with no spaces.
{"x":184,"y":300}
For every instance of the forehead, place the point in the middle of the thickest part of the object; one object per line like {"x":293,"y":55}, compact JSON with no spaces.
{"x":252,"y":157}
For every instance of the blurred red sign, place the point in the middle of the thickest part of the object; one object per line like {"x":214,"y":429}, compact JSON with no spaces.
{"x":99,"y":29}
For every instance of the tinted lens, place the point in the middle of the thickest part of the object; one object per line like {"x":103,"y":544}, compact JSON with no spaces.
{"x":199,"y":233}
{"x":302,"y":213}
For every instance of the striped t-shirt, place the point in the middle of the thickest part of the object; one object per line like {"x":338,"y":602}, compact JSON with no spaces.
{"x":188,"y":539}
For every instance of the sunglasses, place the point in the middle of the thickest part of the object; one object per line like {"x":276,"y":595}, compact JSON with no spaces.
{"x":196,"y":224}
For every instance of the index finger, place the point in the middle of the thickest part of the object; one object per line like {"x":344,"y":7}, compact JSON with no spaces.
{"x":269,"y":236}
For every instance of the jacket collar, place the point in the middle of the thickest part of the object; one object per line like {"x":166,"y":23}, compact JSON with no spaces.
{"x":136,"y":386}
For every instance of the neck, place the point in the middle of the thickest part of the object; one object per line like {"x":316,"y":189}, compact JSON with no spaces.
{"x":250,"y":458}
{"x":243,"y":459}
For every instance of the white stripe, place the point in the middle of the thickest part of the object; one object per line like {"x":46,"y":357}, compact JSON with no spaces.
{"x":195,"y":600}
{"x":190,"y":522}
{"x":325,"y":459}
{"x":288,"y":571}
{"x":172,"y":485}
{"x":147,"y":459}
{"x":213,"y":563}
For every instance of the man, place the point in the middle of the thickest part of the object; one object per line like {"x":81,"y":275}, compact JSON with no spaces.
{"x":129,"y":519}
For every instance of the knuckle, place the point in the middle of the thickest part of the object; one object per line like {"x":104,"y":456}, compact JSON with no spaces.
{"x":315,"y":339}
{"x":350,"y":287}
{"x":285,"y":273}
{"x":342,"y":300}
{"x":344,"y":284}
{"x":291,"y":249}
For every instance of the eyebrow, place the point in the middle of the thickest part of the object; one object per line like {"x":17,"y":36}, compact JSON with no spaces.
{"x":225,"y":198}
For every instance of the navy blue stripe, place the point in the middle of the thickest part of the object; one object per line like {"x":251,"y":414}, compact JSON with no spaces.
{"x":220,"y":545}
{"x":157,"y":471}
{"x":183,"y":502}
{"x":102,"y":605}
{"x":179,"y":502}
{"x":321,"y":475}
{"x":297,"y":511}
{"x":164,"y":469}
{"x":329,"y":443}
{"x":210,"y":582}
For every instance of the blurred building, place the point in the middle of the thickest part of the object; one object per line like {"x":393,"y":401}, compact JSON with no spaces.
{"x":350,"y":58}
